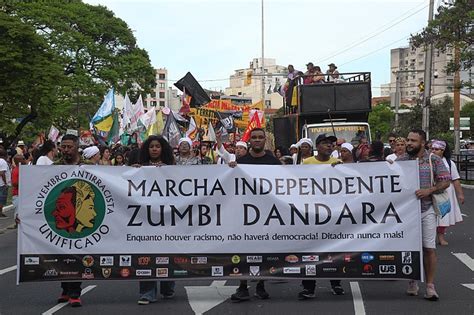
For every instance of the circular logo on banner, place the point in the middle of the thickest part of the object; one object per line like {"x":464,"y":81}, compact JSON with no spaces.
{"x":75,"y":208}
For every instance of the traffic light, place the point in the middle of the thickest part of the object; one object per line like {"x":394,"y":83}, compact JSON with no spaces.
{"x":248,"y":79}
{"x":421,"y":86}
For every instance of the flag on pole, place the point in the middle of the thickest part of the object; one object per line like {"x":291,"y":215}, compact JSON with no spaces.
{"x":171,"y":130}
{"x":127,"y":112}
{"x":106,"y":109}
{"x":189,"y":86}
{"x":114,"y":133}
{"x":53,"y":133}
{"x":192,"y":129}
{"x":137,"y":112}
{"x":211,"y":134}
{"x":254,"y":123}
{"x":157,"y":127}
{"x":149,"y":118}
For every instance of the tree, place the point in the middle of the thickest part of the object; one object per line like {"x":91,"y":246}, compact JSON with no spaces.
{"x":95,"y":51}
{"x":452,"y":27}
{"x":31,"y":77}
{"x":468,"y":111}
{"x":381,"y":120}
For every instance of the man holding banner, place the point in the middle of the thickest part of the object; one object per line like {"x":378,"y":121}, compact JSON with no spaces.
{"x":256,"y":155}
{"x":430,"y":165}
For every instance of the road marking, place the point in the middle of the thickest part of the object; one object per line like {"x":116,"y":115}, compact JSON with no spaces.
{"x":61,"y":305}
{"x":203,"y":298}
{"x":4,"y":271}
{"x":465,"y":259}
{"x":359,"y":308}
{"x":468,"y":285}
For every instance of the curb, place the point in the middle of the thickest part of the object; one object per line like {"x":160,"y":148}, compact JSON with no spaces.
{"x":465,"y":186}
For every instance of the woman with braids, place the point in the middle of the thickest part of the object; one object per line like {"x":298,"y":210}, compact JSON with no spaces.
{"x":441,"y":149}
{"x":155,"y":151}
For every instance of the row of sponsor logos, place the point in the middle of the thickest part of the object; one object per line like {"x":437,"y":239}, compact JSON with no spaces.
{"x":218,"y":271}
{"x":126,"y":260}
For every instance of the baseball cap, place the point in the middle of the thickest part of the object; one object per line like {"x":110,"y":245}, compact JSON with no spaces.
{"x":324,"y":136}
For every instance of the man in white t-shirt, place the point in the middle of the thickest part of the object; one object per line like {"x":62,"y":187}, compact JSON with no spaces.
{"x":5,"y":178}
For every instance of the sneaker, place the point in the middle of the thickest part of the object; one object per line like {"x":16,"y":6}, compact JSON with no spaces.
{"x":168,"y":295}
{"x":143,"y":301}
{"x":63,"y":298}
{"x":75,"y":302}
{"x":431,"y":293}
{"x":242,"y":294}
{"x":261,"y":294}
{"x":412,"y":288}
{"x":337,"y":290}
{"x":306,"y":294}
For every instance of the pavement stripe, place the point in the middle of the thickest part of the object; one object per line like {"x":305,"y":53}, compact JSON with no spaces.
{"x":468,"y":285}
{"x":4,"y":271}
{"x":359,"y":308}
{"x":465,"y":259}
{"x":61,"y":305}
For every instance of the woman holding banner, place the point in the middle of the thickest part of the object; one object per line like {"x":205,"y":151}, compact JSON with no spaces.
{"x":155,"y":151}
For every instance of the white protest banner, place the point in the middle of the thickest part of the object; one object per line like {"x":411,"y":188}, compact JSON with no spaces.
{"x":349,"y":221}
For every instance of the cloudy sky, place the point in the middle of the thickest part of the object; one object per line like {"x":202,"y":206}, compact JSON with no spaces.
{"x":212,"y":38}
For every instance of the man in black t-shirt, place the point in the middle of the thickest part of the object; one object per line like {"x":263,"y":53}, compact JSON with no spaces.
{"x":256,"y":155}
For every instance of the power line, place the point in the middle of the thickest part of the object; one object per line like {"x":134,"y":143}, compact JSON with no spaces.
{"x":359,"y":42}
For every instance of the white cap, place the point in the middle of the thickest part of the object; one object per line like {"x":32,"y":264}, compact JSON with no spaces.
{"x":305,"y":140}
{"x":242,"y":144}
{"x":347,"y":146}
{"x":186,"y":139}
{"x":293,"y":146}
{"x":90,"y":152}
{"x":21,"y":142}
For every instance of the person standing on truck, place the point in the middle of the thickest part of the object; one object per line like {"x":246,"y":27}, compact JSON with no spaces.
{"x":333,"y":74}
{"x":309,"y":74}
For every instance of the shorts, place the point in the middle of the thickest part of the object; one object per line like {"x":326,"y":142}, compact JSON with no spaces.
{"x":428,"y":228}
{"x":3,"y":195}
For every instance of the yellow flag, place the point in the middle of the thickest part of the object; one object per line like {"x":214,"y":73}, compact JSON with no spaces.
{"x":156,"y":128}
{"x":106,"y":124}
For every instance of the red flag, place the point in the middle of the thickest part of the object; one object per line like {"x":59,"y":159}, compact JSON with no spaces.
{"x":254,"y":123}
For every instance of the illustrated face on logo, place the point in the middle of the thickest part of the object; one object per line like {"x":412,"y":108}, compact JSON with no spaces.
{"x":65,"y":212}
{"x":75,"y":208}
{"x":85,"y":211}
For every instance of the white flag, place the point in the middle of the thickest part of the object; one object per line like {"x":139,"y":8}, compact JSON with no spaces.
{"x":53,"y":133}
{"x":137,"y":111}
{"x":211,"y":134}
{"x":148,"y":118}
{"x":127,"y":111}
{"x":191,"y":133}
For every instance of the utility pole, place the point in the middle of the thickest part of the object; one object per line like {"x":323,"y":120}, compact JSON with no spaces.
{"x":457,"y":99}
{"x":262,"y":64}
{"x":397,"y":100}
{"x":425,"y":123}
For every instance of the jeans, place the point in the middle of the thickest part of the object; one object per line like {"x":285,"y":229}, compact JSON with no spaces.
{"x":148,"y":289}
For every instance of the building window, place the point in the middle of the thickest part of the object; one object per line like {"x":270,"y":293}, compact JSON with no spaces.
{"x":162,"y":103}
{"x":162,"y":94}
{"x":153,"y":94}
{"x":162,"y":85}
{"x":144,"y":103}
{"x":153,"y":103}
{"x":162,"y":76}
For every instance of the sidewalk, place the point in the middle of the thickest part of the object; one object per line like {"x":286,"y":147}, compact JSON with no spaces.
{"x":9,"y":222}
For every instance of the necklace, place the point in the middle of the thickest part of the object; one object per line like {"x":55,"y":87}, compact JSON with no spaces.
{"x":155,"y":163}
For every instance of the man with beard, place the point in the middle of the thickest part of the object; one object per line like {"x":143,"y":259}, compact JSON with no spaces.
{"x":70,"y":156}
{"x":256,"y":155}
{"x":415,"y":149}
{"x":325,"y":147}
